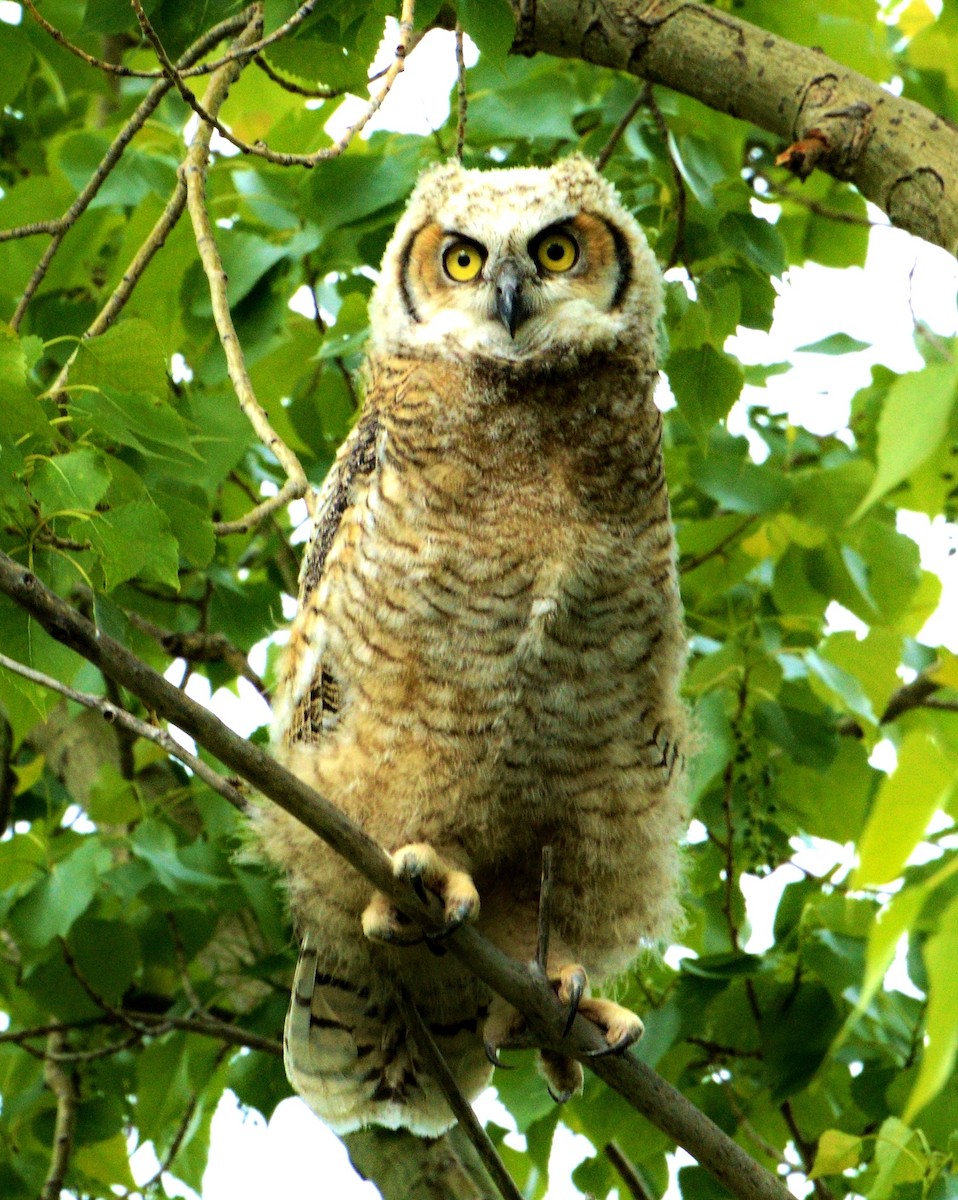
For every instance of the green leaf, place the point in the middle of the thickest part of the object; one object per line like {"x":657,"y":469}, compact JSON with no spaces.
{"x":706,"y":383}
{"x":941,"y":1023}
{"x":837,"y":1152}
{"x":20,"y":411}
{"x":835,"y":343}
{"x":913,"y":422}
{"x":74,"y":481}
{"x":16,"y":57}
{"x":906,"y":802}
{"x":50,"y":908}
{"x":129,"y":357}
{"x":155,"y":843}
{"x":491,"y":26}
{"x":134,"y":539}
{"x":105,"y":951}
{"x":755,"y":239}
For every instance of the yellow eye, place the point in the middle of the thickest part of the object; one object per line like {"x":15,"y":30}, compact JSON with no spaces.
{"x":463,"y":261}
{"x":556,"y":252}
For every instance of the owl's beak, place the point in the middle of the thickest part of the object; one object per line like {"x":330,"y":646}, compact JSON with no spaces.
{"x":512,"y":307}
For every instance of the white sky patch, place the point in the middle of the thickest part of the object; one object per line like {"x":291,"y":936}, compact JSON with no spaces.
{"x":419,"y":99}
{"x":10,"y":14}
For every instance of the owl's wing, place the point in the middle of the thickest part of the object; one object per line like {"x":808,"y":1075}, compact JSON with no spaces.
{"x":308,"y":695}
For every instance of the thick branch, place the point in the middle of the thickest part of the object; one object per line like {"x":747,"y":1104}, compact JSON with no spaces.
{"x":898,"y":154}
{"x":520,"y":984}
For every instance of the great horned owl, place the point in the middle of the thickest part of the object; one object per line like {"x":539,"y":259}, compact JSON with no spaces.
{"x":488,"y":645}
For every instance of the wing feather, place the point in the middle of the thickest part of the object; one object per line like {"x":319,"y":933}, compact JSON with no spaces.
{"x":307,"y":699}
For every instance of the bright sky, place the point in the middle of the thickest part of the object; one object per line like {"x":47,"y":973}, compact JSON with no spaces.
{"x":903,"y":279}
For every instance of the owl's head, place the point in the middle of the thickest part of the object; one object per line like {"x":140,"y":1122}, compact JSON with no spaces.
{"x":527,"y":266}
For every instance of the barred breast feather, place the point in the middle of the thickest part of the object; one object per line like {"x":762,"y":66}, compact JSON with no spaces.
{"x":485,"y":658}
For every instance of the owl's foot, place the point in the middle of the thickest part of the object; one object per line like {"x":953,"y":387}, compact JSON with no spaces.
{"x":503,"y":1029}
{"x":425,"y":871}
{"x":563,"y":1076}
{"x":621,"y":1026}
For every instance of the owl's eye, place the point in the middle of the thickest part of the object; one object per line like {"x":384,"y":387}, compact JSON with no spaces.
{"x":463,"y":261}
{"x":556,"y":252}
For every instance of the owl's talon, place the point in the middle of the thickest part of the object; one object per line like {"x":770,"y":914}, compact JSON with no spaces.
{"x":570,"y":985}
{"x":417,"y":885}
{"x":624,"y":1042}
{"x":560,"y":1097}
{"x":492,"y":1053}
{"x":622,"y":1028}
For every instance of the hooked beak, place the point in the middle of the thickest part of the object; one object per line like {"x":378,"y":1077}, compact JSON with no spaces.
{"x":511,"y":305}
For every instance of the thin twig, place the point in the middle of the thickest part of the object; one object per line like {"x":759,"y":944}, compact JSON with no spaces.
{"x":63,"y":1086}
{"x":235,"y":55}
{"x":545,"y":911}
{"x":194,"y":171}
{"x":292,"y":489}
{"x":461,"y":96}
{"x":148,"y":1024}
{"x":473,"y":1129}
{"x":199,"y":646}
{"x":112,"y":156}
{"x":189,"y":1112}
{"x":407,"y":39}
{"x":602,"y":158}
{"x":806,"y":1150}
{"x":111,"y":713}
{"x":689,"y":564}
{"x":678,"y":180}
{"x":628,"y":1173}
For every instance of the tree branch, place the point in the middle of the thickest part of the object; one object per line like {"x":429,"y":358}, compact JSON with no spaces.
{"x":61,"y":1083}
{"x":439,"y":1069}
{"x":194,"y":172}
{"x":898,"y":154}
{"x":520,"y":984}
{"x":60,"y":227}
{"x":208,"y":116}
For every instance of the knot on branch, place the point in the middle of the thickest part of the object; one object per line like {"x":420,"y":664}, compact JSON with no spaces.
{"x":828,"y":133}
{"x":914,"y":203}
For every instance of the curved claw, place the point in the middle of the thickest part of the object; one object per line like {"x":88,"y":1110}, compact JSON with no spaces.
{"x":559,"y":1097}
{"x":576,"y":988}
{"x":623,"y":1043}
{"x":492,"y":1053}
{"x":417,"y":885}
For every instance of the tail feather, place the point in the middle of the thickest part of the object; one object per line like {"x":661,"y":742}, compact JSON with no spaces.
{"x":348,"y":1054}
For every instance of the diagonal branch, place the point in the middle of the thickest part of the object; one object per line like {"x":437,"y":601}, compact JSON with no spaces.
{"x":439,"y":1069}
{"x":518,"y":983}
{"x":112,"y":713}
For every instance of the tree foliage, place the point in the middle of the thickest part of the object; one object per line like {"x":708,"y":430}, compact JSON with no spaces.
{"x":145,"y":963}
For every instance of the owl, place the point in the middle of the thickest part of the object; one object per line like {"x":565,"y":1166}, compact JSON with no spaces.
{"x":487,"y":650}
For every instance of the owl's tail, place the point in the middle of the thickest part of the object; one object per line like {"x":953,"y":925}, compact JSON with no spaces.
{"x":348,"y":1054}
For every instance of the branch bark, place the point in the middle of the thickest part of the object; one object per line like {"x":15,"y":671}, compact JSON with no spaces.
{"x":520,"y":984}
{"x":898,"y":154}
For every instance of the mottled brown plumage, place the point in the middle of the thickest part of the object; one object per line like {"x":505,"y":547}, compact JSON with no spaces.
{"x":488,"y":646}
